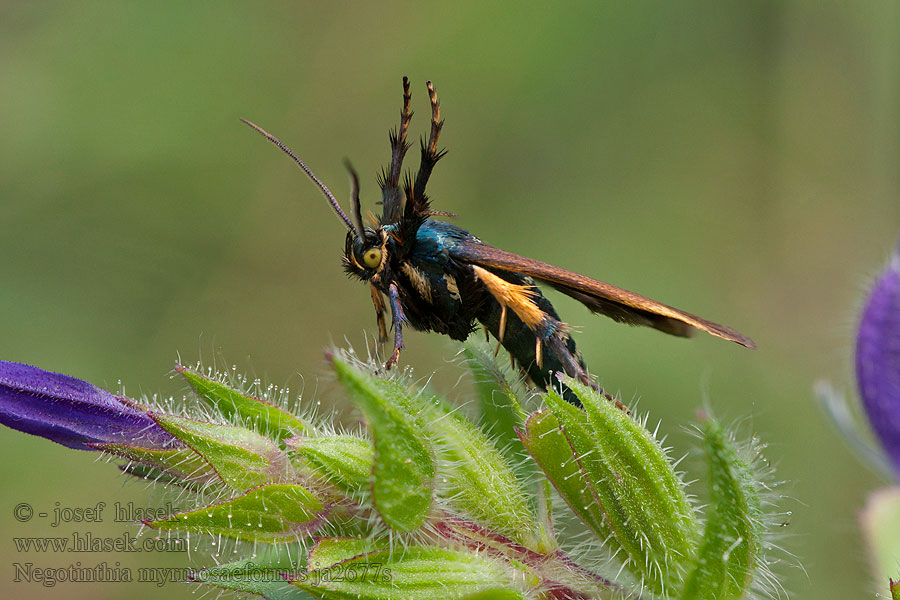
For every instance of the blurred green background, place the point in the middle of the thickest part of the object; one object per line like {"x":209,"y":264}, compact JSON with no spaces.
{"x":738,"y":160}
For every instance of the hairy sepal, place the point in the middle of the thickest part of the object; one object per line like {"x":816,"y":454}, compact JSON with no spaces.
{"x":422,"y":572}
{"x":730,"y":550}
{"x":403,"y":472}
{"x":641,"y":498}
{"x":242,"y":458}
{"x":269,"y":513}
{"x":236,"y":406}
{"x":547,"y":444}
{"x":498,"y":397}
{"x":264,"y":575}
{"x":180,"y":465}
{"x":345,"y":461}
{"x":479,"y":481}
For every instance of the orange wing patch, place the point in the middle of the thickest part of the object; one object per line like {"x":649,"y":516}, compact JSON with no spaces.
{"x":516,"y":297}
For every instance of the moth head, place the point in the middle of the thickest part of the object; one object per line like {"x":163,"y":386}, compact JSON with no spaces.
{"x":365,"y":256}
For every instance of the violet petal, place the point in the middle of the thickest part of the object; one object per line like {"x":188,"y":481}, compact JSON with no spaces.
{"x":72,"y":412}
{"x":878,"y":359}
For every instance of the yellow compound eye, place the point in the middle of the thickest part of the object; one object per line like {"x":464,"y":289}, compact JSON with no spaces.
{"x":372,"y":257}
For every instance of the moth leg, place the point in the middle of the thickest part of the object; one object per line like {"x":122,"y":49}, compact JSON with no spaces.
{"x":397,"y":319}
{"x":501,"y":330}
{"x":378,"y":301}
{"x":398,"y":140}
{"x":574,"y":370}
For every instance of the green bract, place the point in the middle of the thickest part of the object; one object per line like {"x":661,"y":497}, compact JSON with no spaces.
{"x":269,"y":513}
{"x":181,"y":466}
{"x":238,"y":406}
{"x":413,"y":573}
{"x":479,"y":481}
{"x":403,"y":473}
{"x":241,"y":457}
{"x":423,"y":502}
{"x":264,"y":574}
{"x":344,"y":460}
{"x":731,"y":543}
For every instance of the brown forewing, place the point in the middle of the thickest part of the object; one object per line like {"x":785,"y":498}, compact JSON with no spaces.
{"x":616,"y":303}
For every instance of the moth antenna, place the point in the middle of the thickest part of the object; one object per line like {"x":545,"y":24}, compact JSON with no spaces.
{"x":430,"y":155}
{"x":398,"y":143}
{"x":355,"y":211}
{"x":328,"y":195}
{"x":436,"y":122}
{"x":393,"y":200}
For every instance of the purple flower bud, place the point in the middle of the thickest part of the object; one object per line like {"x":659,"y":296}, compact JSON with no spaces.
{"x":72,"y":412}
{"x":878,"y":359}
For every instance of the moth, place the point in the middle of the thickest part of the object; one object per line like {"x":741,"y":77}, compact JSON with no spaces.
{"x":439,"y":277}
